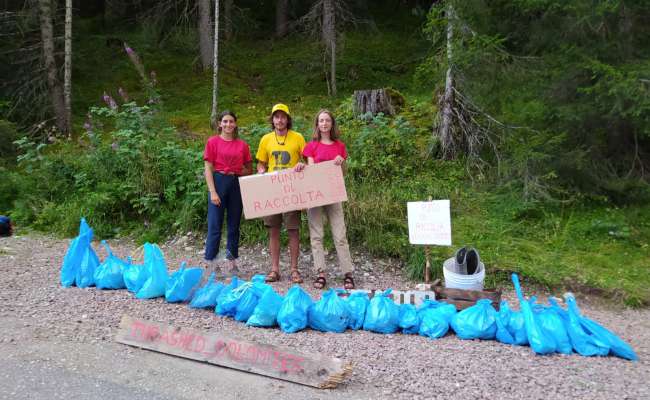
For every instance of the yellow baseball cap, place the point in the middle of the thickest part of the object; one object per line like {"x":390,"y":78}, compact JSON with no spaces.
{"x":280,"y":107}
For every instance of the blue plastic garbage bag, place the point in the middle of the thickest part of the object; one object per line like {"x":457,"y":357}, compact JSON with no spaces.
{"x":433,"y":323}
{"x":514,"y":323}
{"x":266,"y":311}
{"x":476,"y":322}
{"x":537,"y":339}
{"x":503,"y":335}
{"x":135,"y":275}
{"x":80,"y":261}
{"x":75,"y":253}
{"x":581,"y":341}
{"x":552,"y":325}
{"x":409,"y":320}
{"x":329,"y":314}
{"x":206,"y":296}
{"x":86,"y":273}
{"x":445,"y":309}
{"x":110,"y":273}
{"x":229,"y":297}
{"x":357,"y":302}
{"x":434,"y":318}
{"x":71,"y":260}
{"x":616,"y":345}
{"x":414,"y":329}
{"x":234,"y":283}
{"x":180,"y":286}
{"x":154,"y":263}
{"x":250,"y":298}
{"x":293,"y":313}
{"x":382,"y":314}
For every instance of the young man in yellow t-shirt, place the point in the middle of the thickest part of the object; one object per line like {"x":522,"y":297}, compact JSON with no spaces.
{"x":281,"y":149}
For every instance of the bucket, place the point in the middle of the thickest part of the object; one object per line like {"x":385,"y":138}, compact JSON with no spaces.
{"x":455,"y":280}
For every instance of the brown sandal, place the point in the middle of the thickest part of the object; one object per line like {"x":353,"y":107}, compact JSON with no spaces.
{"x":296,"y":277}
{"x":320,"y":283}
{"x":273,"y":276}
{"x":348,"y":282}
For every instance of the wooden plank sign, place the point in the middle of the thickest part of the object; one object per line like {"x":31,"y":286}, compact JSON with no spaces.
{"x":287,"y":190}
{"x":429,"y":222}
{"x":273,"y":361}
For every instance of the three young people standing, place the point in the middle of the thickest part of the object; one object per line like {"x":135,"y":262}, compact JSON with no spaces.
{"x":282,"y":148}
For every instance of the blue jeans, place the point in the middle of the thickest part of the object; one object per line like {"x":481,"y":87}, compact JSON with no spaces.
{"x":228,"y":190}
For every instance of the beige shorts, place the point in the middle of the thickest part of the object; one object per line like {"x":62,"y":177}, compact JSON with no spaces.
{"x":291,"y":220}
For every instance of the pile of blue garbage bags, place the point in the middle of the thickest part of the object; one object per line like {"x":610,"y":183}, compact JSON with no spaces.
{"x":546,"y":328}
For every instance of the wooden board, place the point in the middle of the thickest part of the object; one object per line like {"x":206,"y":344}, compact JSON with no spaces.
{"x":471,"y":295}
{"x":467,"y":298}
{"x":273,"y":361}
{"x":463,"y":304}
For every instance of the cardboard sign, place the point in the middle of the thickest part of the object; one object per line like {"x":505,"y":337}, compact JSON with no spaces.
{"x":214,"y":348}
{"x":429,"y":222}
{"x":282,"y":191}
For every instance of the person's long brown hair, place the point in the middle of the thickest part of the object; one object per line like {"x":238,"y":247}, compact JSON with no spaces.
{"x":334,"y":131}
{"x":235,"y":133}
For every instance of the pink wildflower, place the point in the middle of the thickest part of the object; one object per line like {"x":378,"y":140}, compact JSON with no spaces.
{"x":109,"y":101}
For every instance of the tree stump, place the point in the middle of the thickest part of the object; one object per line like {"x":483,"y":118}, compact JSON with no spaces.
{"x":373,"y":101}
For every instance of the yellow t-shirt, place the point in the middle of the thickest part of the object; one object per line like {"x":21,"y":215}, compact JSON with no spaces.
{"x":280,"y":152}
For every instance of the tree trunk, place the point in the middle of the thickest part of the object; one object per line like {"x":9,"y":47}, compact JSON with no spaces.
{"x":333,"y":69}
{"x":67,"y":67}
{"x":373,"y":101}
{"x":329,"y":38}
{"x":447,"y":144}
{"x":53,"y":82}
{"x":281,"y":17}
{"x":215,"y":66}
{"x":205,"y":37}
{"x":227,"y":19}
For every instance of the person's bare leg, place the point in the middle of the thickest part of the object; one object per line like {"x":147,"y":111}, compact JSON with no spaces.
{"x":294,"y":247}
{"x":274,"y":248}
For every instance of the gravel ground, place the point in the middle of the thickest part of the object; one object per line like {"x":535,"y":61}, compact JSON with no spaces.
{"x":43,"y":321}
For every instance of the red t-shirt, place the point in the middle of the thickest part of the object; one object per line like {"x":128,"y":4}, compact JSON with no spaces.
{"x":227,"y":155}
{"x":325,"y":152}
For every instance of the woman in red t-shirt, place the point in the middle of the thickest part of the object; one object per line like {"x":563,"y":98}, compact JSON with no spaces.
{"x":226,"y":157}
{"x":326,"y":146}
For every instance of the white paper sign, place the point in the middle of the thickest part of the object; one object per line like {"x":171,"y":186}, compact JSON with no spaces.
{"x":429,"y":222}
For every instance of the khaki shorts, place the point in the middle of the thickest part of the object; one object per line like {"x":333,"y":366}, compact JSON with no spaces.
{"x":291,"y":220}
